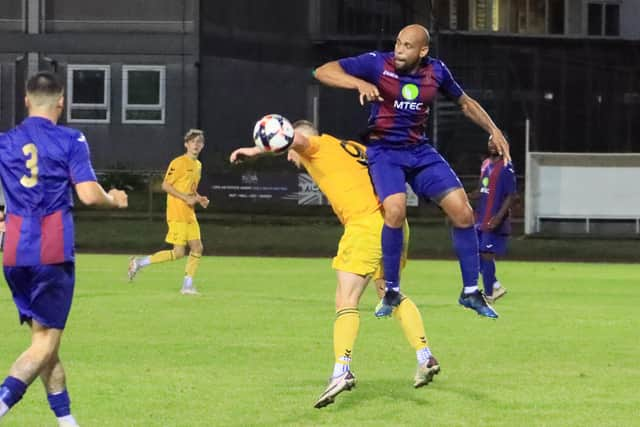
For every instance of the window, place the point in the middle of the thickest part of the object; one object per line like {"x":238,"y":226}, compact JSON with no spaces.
{"x":88,"y":93}
{"x":509,"y":16}
{"x":603,"y":19}
{"x":143,"y":94}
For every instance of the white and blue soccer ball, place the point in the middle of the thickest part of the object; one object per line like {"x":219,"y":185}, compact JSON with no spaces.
{"x":273,"y":133}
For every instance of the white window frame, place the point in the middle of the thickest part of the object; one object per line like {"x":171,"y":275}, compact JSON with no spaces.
{"x":107,"y":93}
{"x":161,"y":106}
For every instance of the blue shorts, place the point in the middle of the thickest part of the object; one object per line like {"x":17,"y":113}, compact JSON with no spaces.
{"x":492,"y":243}
{"x":42,"y":292}
{"x":421,"y":166}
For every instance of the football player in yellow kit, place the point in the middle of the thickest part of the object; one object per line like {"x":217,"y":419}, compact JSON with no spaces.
{"x":181,"y":185}
{"x":339,"y":169}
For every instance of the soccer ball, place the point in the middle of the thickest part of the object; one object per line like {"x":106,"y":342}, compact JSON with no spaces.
{"x":273,"y":133}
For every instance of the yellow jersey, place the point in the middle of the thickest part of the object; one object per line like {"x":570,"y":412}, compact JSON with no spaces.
{"x":184,"y":175}
{"x":339,"y":169}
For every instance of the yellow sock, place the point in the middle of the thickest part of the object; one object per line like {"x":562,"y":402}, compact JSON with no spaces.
{"x":162,"y":256}
{"x":345,"y":331}
{"x":192,"y":264}
{"x":411,"y":321}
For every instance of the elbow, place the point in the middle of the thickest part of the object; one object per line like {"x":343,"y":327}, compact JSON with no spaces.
{"x":88,"y":199}
{"x":323,"y":72}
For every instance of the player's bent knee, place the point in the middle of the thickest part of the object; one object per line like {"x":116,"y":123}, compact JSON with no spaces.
{"x":178,"y":253}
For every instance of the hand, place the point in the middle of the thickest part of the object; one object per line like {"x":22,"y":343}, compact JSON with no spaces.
{"x":242,"y":154}
{"x":190,"y":199}
{"x":501,"y":144}
{"x":120,"y":198}
{"x":369,"y":93}
{"x":203,"y":201}
{"x":492,"y":223}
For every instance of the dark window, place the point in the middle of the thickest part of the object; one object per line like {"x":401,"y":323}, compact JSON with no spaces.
{"x":556,"y":17}
{"x":612,"y":20}
{"x":144,"y":87}
{"x":594,"y":24}
{"x":88,"y":86}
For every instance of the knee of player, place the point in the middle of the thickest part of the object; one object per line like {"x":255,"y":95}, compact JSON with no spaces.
{"x":394,"y":215}
{"x":42,"y":351}
{"x":196,"y":249}
{"x":463,"y":218}
{"x":178,"y":252}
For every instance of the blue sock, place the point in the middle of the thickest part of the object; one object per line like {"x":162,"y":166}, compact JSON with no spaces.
{"x":60,"y":403}
{"x":465,"y":243}
{"x":488,"y":270}
{"x":391,"y":255}
{"x":12,"y":390}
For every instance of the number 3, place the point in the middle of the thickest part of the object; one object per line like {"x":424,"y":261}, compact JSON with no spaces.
{"x":31,"y":164}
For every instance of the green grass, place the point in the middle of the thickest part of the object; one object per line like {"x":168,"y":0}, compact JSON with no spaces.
{"x":256,"y":348}
{"x":318,"y":237}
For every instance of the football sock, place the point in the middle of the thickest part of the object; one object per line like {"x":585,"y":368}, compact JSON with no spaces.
{"x":465,"y":243}
{"x":67,"y":420}
{"x":143,"y":261}
{"x":345,"y":331}
{"x":192,"y":264}
{"x":3,"y":408}
{"x":470,"y":289}
{"x":11,"y":391}
{"x":411,"y":322}
{"x":162,"y":256}
{"x":187,"y":282}
{"x":391,"y":255}
{"x":488,"y":270}
{"x":423,"y":355}
{"x":60,"y":403}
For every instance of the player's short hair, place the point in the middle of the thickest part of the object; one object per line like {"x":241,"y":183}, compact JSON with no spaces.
{"x":44,"y":88}
{"x":192,"y":134}
{"x":306,"y":127}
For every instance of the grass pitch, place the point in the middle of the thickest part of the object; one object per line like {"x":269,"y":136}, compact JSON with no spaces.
{"x":255,"y":348}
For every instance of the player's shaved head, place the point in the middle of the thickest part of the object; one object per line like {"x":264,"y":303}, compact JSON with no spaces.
{"x":412,"y":45}
{"x":44,"y":90}
{"x":417,"y":33}
{"x":306,"y":128}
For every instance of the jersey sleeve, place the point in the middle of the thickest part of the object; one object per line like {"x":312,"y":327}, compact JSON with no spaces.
{"x":509,"y":179}
{"x":80,"y":167}
{"x":312,"y":147}
{"x":448,"y":86}
{"x":173,"y":171}
{"x":363,"y":66}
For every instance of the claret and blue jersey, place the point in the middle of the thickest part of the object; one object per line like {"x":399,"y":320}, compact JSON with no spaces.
{"x":497,"y":182}
{"x":402,"y":117}
{"x":39,"y":163}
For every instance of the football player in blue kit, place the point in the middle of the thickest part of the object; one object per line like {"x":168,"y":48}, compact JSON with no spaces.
{"x":497,"y":193}
{"x":40,"y":164}
{"x":401,"y":86}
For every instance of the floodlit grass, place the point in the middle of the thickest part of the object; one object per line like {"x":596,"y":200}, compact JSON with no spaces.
{"x":255,"y":348}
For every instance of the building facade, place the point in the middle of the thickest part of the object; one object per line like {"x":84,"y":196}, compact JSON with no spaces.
{"x":139,"y":73}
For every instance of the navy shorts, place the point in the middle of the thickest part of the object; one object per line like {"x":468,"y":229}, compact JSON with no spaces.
{"x":43,"y":292}
{"x":492,"y":243}
{"x":420,"y":165}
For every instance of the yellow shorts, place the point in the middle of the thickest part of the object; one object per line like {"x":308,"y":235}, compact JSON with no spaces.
{"x":181,"y":232}
{"x":360,"y":248}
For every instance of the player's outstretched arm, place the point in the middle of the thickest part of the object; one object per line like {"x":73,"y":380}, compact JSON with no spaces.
{"x":245,"y":153}
{"x":474,"y":111}
{"x":92,"y":193}
{"x":332,"y":74}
